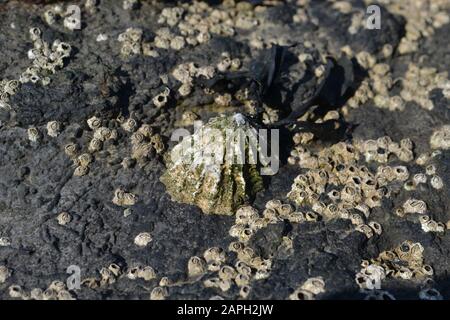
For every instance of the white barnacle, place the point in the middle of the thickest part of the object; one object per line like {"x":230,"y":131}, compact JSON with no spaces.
{"x":364,"y":228}
{"x":147,"y":273}
{"x":122,"y":198}
{"x":376,"y":227}
{"x":177,"y":43}
{"x":161,"y":99}
{"x":53,"y":128}
{"x":440,"y":139}
{"x":5,"y":273}
{"x":227,"y":273}
{"x":159,"y":293}
{"x":130,"y":125}
{"x":437,"y":182}
{"x":214,"y":254}
{"x":94,"y":122}
{"x":143,"y":239}
{"x":35,"y":33}
{"x":84,"y":159}
{"x":50,"y":17}
{"x":64,"y":218}
{"x":196,"y":267}
{"x":71,"y":149}
{"x":15,"y":291}
{"x":95,"y":145}
{"x":130,"y":4}
{"x":5,"y":241}
{"x":185,"y":89}
{"x":72,"y":22}
{"x":414,"y":206}
{"x":33,"y":134}
{"x":314,"y":285}
{"x":81,"y":171}
{"x":102,"y":133}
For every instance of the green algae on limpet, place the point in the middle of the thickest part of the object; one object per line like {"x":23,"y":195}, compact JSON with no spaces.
{"x":204,"y":168}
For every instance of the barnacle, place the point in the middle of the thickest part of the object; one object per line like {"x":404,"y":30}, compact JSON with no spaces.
{"x":430,"y":294}
{"x":314,"y":285}
{"x":5,"y":273}
{"x":430,"y":170}
{"x":53,"y":128}
{"x":94,"y":122}
{"x":95,"y":145}
{"x":36,"y":294}
{"x":159,"y":293}
{"x":85,"y":159}
{"x":64,"y":218}
{"x":165,"y":281}
{"x":81,"y":171}
{"x":147,"y":273}
{"x":157,"y":143}
{"x":364,"y":228}
{"x":33,"y":134}
{"x":15,"y":291}
{"x":102,"y":133}
{"x":196,"y":267}
{"x":437,"y":182}
{"x":5,"y":241}
{"x":414,"y":206}
{"x":227,"y":273}
{"x":211,"y":181}
{"x":161,"y":99}
{"x":214,"y":254}
{"x":71,"y":149}
{"x":143,"y":239}
{"x":122,"y":198}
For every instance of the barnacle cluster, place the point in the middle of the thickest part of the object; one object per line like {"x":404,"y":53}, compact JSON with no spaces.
{"x":403,"y":262}
{"x":309,"y":289}
{"x":133,"y":44}
{"x":430,"y":225}
{"x":145,"y":143}
{"x":247,"y":267}
{"x":47,"y":59}
{"x":419,"y":82}
{"x":70,"y":15}
{"x":202,"y":169}
{"x":377,"y":86}
{"x":440,"y":139}
{"x":107,"y":276}
{"x":423,"y":17}
{"x":8,"y":88}
{"x":187,"y":72}
{"x":142,"y":272}
{"x":191,"y":24}
{"x":248,"y":220}
{"x":336,"y":185}
{"x":57,"y":290}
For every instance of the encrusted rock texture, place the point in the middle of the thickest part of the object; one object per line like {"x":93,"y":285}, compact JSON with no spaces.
{"x":117,"y":195}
